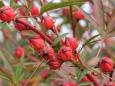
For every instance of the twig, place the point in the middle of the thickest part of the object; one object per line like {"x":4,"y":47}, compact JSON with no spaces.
{"x":99,"y":49}
{"x":33,"y":72}
{"x":72,"y":22}
{"x":35,"y":30}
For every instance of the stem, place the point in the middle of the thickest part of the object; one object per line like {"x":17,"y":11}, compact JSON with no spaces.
{"x":101,"y":46}
{"x":72,"y":22}
{"x":81,"y":61}
{"x":35,"y":30}
{"x":33,"y":72}
{"x":42,"y":2}
{"x":29,"y":16}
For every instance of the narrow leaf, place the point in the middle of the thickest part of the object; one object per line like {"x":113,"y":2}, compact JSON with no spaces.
{"x":84,"y":55}
{"x":18,"y":72}
{"x":78,"y":74}
{"x":4,"y":76}
{"x":85,"y":83}
{"x":1,"y":4}
{"x":9,"y":66}
{"x":51,"y":6}
{"x":4,"y":25}
{"x":82,"y":74}
{"x":89,"y":40}
{"x":29,"y":7}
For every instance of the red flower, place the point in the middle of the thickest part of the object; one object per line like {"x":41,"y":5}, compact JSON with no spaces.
{"x":47,"y":22}
{"x":34,"y":10}
{"x":19,"y":51}
{"x":71,"y":42}
{"x":106,"y":64}
{"x":65,"y":53}
{"x":85,"y":79}
{"x":54,"y":63}
{"x":78,"y":15}
{"x":20,"y":26}
{"x":69,"y":84}
{"x":6,"y":14}
{"x":109,"y":84}
{"x":45,"y":73}
{"x":37,"y":42}
{"x":22,"y":11}
{"x":47,"y":53}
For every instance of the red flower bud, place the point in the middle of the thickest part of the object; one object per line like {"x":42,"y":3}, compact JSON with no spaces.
{"x":65,"y":53}
{"x":37,"y":42}
{"x":20,"y":26}
{"x":34,"y":10}
{"x":109,"y":84}
{"x":44,"y":73}
{"x":69,"y":84}
{"x":22,"y":11}
{"x":78,"y":15}
{"x":19,"y":51}
{"x":71,"y":42}
{"x":85,"y":79}
{"x":47,"y":53}
{"x":6,"y":14}
{"x":54,"y":63}
{"x":106,"y":64}
{"x":47,"y":22}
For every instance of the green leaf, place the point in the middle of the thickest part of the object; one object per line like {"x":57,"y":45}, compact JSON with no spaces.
{"x":78,"y":74}
{"x":93,"y":42}
{"x":22,"y":42}
{"x":57,"y":40}
{"x":112,"y":48}
{"x":18,"y":72}
{"x":81,"y":74}
{"x":51,"y":6}
{"x":85,"y":83}
{"x":84,"y":55}
{"x":89,"y":40}
{"x":4,"y":76}
{"x":79,"y":32}
{"x":12,"y":2}
{"x":8,"y":65}
{"x":4,"y":25}
{"x":1,"y":4}
{"x":29,"y":7}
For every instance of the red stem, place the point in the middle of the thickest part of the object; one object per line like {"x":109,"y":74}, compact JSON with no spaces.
{"x":81,"y":62}
{"x":93,"y":79}
{"x":35,"y":30}
{"x":72,"y":22}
